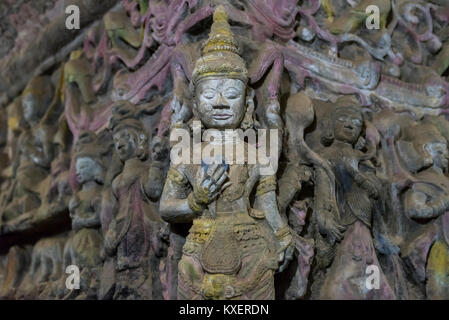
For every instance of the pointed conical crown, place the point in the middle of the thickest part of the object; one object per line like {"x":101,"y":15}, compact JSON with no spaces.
{"x":220,"y":53}
{"x":124,"y":116}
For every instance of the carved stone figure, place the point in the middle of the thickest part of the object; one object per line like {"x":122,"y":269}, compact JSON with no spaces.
{"x":355,"y":189}
{"x":34,"y":153}
{"x":234,"y":247}
{"x":14,"y":116}
{"x":46,"y":266}
{"x":358,"y":186}
{"x":84,"y":111}
{"x":58,"y":195}
{"x":425,"y":201}
{"x":120,"y":29}
{"x":132,"y":236}
{"x":17,"y":264}
{"x":83,"y":248}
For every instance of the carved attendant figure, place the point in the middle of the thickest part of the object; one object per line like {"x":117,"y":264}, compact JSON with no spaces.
{"x":427,"y":197}
{"x":427,"y":201}
{"x":84,"y":247}
{"x":234,"y":245}
{"x":356,"y":189}
{"x":133,"y":232}
{"x":35,"y":150}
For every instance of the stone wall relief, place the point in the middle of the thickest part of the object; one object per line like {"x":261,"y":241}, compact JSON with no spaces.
{"x":86,"y":177}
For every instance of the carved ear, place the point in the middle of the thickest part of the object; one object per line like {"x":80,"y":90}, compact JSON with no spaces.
{"x":248,"y":120}
{"x":100,"y":174}
{"x":327,"y":138}
{"x":250,"y":96}
{"x":194,"y":109}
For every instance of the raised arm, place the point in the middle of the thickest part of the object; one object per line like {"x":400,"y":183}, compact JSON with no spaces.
{"x":154,"y":182}
{"x":174,"y":206}
{"x":180,"y":204}
{"x":290,"y":184}
{"x":421,"y":202}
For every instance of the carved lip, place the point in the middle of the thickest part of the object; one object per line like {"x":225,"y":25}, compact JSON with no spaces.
{"x":349,"y":130}
{"x":222,"y":116}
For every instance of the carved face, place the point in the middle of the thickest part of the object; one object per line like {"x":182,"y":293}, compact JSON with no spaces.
{"x":347,"y":125}
{"x":159,"y":19}
{"x":120,"y":88}
{"x":30,"y":107}
{"x":220,"y":102}
{"x":87,"y":169}
{"x":439,"y":153}
{"x":125,"y":142}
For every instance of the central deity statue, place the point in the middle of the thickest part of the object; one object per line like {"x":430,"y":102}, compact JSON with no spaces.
{"x":237,"y":241}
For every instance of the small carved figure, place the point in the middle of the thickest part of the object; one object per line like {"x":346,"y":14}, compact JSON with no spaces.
{"x":426,"y":201}
{"x":84,"y":110}
{"x":45,"y":269}
{"x":17,"y":265}
{"x":35,"y":150}
{"x":132,"y":236}
{"x":356,"y":189}
{"x":83,"y":249}
{"x":124,"y":37}
{"x":59,"y":193}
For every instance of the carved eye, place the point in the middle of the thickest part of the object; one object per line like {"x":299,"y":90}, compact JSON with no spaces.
{"x":209,"y":94}
{"x":231,"y":94}
{"x":357,"y":122}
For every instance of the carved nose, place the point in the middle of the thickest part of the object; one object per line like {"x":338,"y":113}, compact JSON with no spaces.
{"x":221,"y":103}
{"x":221,"y":106}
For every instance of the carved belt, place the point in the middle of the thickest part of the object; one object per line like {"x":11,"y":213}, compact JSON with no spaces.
{"x":221,"y":252}
{"x":224,"y":286}
{"x":220,"y":243}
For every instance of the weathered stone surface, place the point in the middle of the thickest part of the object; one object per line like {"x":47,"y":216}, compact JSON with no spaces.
{"x":87,"y":175}
{"x":52,"y":36}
